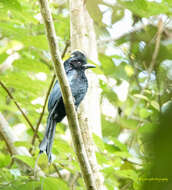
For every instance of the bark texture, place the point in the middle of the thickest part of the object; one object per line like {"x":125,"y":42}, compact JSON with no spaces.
{"x":83,"y":37}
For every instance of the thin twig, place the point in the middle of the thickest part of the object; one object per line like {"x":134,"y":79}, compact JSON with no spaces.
{"x":65,"y":49}
{"x":134,"y":67}
{"x":15,"y":102}
{"x":7,"y":144}
{"x":57,"y":171}
{"x":126,"y":186}
{"x":73,"y":181}
{"x":158,"y":84}
{"x":152,"y":64}
{"x":10,"y":138}
{"x":46,"y":99}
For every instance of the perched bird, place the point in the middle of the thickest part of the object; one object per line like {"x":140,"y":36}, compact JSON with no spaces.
{"x":75,"y":68}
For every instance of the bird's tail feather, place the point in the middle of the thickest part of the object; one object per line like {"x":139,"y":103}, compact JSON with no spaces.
{"x":46,"y":144}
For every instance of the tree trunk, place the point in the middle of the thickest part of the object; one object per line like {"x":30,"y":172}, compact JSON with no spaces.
{"x":83,"y":38}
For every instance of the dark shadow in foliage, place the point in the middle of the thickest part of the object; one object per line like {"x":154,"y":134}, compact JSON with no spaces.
{"x":158,"y":175}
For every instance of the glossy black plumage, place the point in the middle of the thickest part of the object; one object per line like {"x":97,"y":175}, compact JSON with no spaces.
{"x":75,"y":68}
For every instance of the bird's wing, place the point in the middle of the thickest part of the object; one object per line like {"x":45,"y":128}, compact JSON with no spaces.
{"x":54,"y":96}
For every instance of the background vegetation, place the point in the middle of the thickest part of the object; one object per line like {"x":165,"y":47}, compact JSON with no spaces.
{"x":135,"y":76}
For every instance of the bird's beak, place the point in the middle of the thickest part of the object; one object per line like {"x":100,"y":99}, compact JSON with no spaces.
{"x":88,"y":66}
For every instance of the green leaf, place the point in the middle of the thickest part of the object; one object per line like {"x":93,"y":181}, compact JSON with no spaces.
{"x":131,"y":174}
{"x":144,"y":8}
{"x":111,"y":148}
{"x":121,"y":72}
{"x":108,"y":170}
{"x":62,"y":147}
{"x":110,"y":69}
{"x":101,"y":158}
{"x":168,"y":1}
{"x":20,"y":33}
{"x":29,"y":185}
{"x":109,"y":128}
{"x":144,"y":113}
{"x":94,"y":11}
{"x":62,"y":25}
{"x":155,"y":105}
{"x":26,"y":159}
{"x":128,"y":123}
{"x":119,"y":144}
{"x":50,"y":183}
{"x":117,"y":14}
{"x":32,"y":65}
{"x":4,"y":160}
{"x":98,"y":141}
{"x":124,"y":155}
{"x":129,"y":70}
{"x":38,"y":41}
{"x":14,"y":4}
{"x":109,"y":93}
{"x":107,"y":64}
{"x":158,"y":8}
{"x":147,"y":129}
{"x":145,"y":34}
{"x":22,"y":143}
{"x":140,"y":96}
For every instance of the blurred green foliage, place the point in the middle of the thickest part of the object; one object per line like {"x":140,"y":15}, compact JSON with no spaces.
{"x":23,"y":44}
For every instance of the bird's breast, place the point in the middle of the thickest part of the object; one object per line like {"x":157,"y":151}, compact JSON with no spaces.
{"x":79,"y":85}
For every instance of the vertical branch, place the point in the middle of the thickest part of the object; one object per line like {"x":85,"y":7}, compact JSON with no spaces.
{"x":77,"y":25}
{"x":67,"y":97}
{"x":83,"y":37}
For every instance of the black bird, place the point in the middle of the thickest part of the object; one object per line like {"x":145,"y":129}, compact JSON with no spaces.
{"x":75,"y":68}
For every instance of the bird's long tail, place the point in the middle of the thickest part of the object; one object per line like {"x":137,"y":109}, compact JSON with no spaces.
{"x":46,"y":144}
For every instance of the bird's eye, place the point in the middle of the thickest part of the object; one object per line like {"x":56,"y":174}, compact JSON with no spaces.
{"x":76,"y":64}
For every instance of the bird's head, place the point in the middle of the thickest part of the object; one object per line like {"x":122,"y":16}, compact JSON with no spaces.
{"x":79,"y":61}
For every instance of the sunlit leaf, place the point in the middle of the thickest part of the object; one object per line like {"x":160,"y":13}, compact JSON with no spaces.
{"x":50,"y":183}
{"x":128,"y":123}
{"x":26,"y":159}
{"x":140,"y":96}
{"x":4,"y":160}
{"x":155,"y":105}
{"x":131,"y":174}
{"x":94,"y":11}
